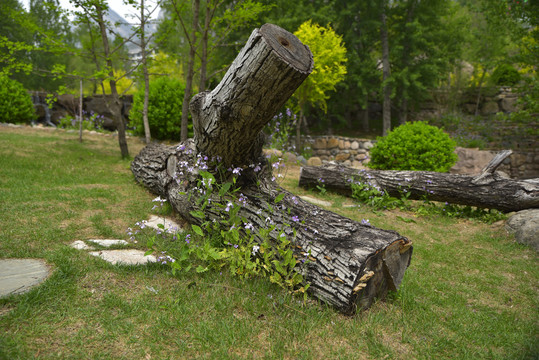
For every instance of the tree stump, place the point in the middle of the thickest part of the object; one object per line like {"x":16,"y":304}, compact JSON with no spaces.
{"x":349,"y":264}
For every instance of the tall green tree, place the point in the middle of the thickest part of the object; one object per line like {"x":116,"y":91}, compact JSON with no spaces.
{"x":53,"y":29}
{"x":15,"y":39}
{"x":427,"y":43}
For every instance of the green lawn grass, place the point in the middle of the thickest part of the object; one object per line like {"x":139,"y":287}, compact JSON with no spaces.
{"x":470,"y":292}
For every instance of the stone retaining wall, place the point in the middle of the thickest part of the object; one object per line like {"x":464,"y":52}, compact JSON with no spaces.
{"x":348,"y":151}
{"x":355,"y":153}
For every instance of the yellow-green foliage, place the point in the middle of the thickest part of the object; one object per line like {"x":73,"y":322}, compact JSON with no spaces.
{"x":330,"y":60}
{"x":124,"y":85}
{"x":163,"y":64}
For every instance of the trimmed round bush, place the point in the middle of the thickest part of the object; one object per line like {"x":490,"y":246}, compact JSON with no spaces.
{"x":414,"y":146}
{"x":505,"y":75}
{"x":164,"y":109}
{"x":15,"y":102}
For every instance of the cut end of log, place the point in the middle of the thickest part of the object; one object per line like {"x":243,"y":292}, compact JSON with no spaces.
{"x":383,"y":272}
{"x":288,"y":47}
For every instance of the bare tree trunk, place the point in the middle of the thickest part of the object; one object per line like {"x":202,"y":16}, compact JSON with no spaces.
{"x":147,"y":133}
{"x":190,"y":73}
{"x":116,"y":106}
{"x":350,"y":264}
{"x":299,"y":121}
{"x":386,"y":110}
{"x":403,"y":114}
{"x":80,"y":113}
{"x":365,"y":115}
{"x":487,"y":190}
{"x":480,"y":87}
{"x":204,"y":49}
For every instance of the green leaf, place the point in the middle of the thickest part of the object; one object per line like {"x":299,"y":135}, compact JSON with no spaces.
{"x":197,"y":230}
{"x":198,"y":214}
{"x":279,"y":197}
{"x":406,"y":220}
{"x":201,"y":269}
{"x":224,"y":189}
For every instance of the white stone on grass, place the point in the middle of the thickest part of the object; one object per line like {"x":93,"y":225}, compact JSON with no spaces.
{"x":316,"y":201}
{"x":108,"y":242}
{"x":168,"y":224}
{"x":124,"y":257}
{"x":20,"y":275}
{"x":80,"y":245}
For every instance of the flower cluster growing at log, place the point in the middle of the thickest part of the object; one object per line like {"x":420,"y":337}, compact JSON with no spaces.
{"x":228,"y":239}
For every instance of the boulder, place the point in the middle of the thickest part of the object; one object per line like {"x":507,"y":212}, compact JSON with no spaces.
{"x":525,"y":226}
{"x":342,"y":157}
{"x":471,"y":161}
{"x":509,"y":104}
{"x":367,"y":145}
{"x":490,"y":107}
{"x":333,"y":143}
{"x":68,"y":102}
{"x":320,"y":144}
{"x":314,"y":161}
{"x":354,"y":145}
{"x":290,"y":157}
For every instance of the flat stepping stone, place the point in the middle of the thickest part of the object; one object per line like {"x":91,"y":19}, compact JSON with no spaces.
{"x":20,"y":275}
{"x":124,"y":257}
{"x":108,"y":242}
{"x":316,"y":201}
{"x":168,"y":224}
{"x":80,"y":245}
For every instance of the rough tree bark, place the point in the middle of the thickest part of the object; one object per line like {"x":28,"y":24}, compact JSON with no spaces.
{"x":350,"y":264}
{"x":487,"y":190}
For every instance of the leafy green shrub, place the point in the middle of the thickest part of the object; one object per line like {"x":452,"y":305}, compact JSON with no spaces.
{"x":15,"y":102}
{"x":505,"y":75}
{"x":414,"y":146}
{"x":164,"y":109}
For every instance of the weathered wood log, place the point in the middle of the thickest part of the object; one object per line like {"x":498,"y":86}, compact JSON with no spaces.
{"x":349,"y":264}
{"x":228,"y":120}
{"x":487,"y":190}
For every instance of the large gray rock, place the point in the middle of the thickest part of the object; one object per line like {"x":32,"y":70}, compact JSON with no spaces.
{"x":471,"y":161}
{"x":525,"y":226}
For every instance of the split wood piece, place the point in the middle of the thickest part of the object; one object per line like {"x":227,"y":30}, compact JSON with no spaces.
{"x":487,"y":190}
{"x":349,"y":264}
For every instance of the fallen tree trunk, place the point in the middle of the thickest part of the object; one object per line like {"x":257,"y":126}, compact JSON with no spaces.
{"x":487,"y":190}
{"x":349,"y":264}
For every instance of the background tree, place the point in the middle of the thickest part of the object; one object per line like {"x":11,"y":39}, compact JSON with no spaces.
{"x":15,"y":39}
{"x":94,"y":10}
{"x":206,"y":27}
{"x":427,"y":39}
{"x":143,"y":43}
{"x":329,"y":56}
{"x":53,"y":29}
